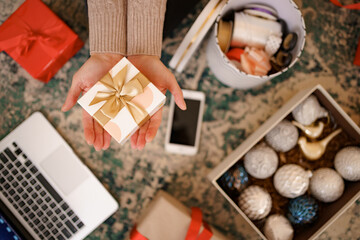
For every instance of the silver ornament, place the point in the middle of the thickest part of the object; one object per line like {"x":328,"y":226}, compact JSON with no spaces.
{"x":347,"y":163}
{"x":308,"y":111}
{"x":278,"y":227}
{"x":291,"y":180}
{"x":261,"y":162}
{"x":283,"y":137}
{"x":255,"y":202}
{"x":326,"y":185}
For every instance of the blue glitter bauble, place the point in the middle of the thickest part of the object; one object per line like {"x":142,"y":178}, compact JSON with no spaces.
{"x":303,"y":210}
{"x":235,"y":178}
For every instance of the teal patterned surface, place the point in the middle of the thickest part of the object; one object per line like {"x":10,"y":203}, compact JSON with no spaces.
{"x":133,"y":177}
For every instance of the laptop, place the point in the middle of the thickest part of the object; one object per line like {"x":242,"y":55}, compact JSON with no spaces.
{"x":46,"y":191}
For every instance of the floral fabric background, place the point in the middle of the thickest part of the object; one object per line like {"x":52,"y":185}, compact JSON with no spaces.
{"x":231,"y":115}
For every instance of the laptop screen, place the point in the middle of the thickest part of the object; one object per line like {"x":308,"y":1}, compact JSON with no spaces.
{"x":10,"y":227}
{"x":7,"y":231}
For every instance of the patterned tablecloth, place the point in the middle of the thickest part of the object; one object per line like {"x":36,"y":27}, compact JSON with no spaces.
{"x":133,"y":177}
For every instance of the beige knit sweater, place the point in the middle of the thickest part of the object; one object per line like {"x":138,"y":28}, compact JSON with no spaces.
{"x":127,"y":27}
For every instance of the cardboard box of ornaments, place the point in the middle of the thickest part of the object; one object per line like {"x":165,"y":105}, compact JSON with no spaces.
{"x":298,"y":171}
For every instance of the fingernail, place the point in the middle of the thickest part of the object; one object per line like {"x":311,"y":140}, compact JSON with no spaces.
{"x":184,"y":106}
{"x":148,"y":138}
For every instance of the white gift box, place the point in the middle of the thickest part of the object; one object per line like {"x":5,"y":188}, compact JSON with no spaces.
{"x":123,"y":125}
{"x":166,"y":218}
{"x":334,"y":209}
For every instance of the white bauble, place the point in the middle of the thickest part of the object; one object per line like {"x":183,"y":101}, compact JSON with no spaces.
{"x":255,"y":202}
{"x":283,"y":137}
{"x":347,"y":163}
{"x":291,"y":180}
{"x":326,"y":185}
{"x":261,"y":162}
{"x":278,"y":227}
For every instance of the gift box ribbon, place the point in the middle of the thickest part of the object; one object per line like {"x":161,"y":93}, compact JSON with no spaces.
{"x":195,"y":225}
{"x":193,"y":230}
{"x":21,"y":42}
{"x":120,"y":95}
{"x":349,"y":6}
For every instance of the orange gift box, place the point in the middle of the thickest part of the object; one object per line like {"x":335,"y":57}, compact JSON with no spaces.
{"x":38,"y":40}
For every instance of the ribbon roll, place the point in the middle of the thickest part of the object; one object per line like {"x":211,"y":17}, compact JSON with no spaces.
{"x":261,"y":10}
{"x":225,"y":30}
{"x":253,"y":31}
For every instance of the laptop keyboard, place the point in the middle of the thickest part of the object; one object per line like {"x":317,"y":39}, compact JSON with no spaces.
{"x":34,"y":198}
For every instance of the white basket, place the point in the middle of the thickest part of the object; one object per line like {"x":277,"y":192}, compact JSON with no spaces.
{"x":226,"y":72}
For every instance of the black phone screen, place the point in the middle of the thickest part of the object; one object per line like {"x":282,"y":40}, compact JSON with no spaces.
{"x":184,"y":124}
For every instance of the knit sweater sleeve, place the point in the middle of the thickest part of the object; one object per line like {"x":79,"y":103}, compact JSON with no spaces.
{"x":145,"y":21}
{"x":107,"y":26}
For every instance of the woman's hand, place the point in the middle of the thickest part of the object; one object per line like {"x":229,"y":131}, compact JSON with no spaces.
{"x":164,"y":80}
{"x":89,"y":74}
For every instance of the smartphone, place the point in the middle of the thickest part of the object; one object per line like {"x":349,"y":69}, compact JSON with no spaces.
{"x":183,"y":129}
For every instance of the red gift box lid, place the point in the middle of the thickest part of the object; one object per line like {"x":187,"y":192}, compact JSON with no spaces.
{"x":38,"y":39}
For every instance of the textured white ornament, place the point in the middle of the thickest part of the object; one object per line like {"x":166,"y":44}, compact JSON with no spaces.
{"x":347,"y":163}
{"x":283,"y":137}
{"x":272,"y":44}
{"x":326,"y":185}
{"x":277,"y":227}
{"x":255,"y":202}
{"x":261,"y":162}
{"x":291,"y":180}
{"x":308,"y":111}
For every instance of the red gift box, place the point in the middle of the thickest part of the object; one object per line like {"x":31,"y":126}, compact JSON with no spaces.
{"x":357,"y":55}
{"x":38,"y":40}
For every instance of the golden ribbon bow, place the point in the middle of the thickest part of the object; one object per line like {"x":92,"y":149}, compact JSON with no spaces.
{"x":120,"y":95}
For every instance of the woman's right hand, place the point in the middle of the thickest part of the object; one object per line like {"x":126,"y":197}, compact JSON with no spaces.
{"x":86,"y":77}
